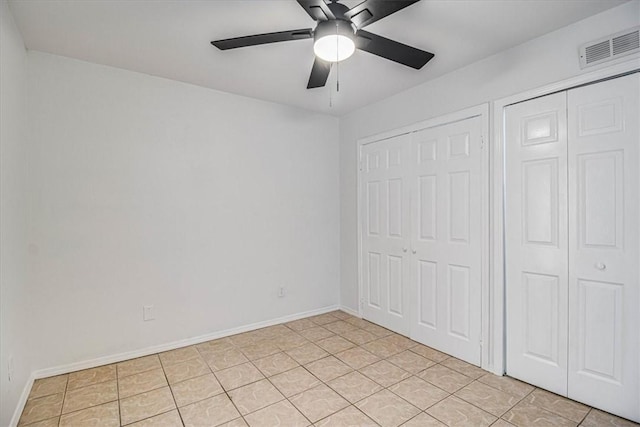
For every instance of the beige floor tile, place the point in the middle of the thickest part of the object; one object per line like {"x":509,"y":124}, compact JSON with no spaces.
{"x":357,"y":357}
{"x":558,"y":405}
{"x":178,"y":355}
{"x":323,"y":319}
{"x":456,"y":412}
{"x":290,"y":341}
{"x":382,"y":348}
{"x":145,"y":405}
{"x":42,"y":408}
{"x":359,"y":336}
{"x":51,"y":422}
{"x":387,"y":409}
{"x":214,"y":346}
{"x":260,"y":350}
{"x":183,"y":371}
{"x":224,"y":359}
{"x":601,"y":419}
{"x":238,"y":422}
{"x":91,"y":395}
{"x":248,"y":338}
{"x":136,"y":366}
{"x":385,"y":373}
{"x":107,"y":415}
{"x":340,"y":327}
{"x":335,"y":344}
{"x":318,"y":402}
{"x":376,"y":330}
{"x":307,"y":353}
{"x":294,"y":381}
{"x":358,"y":322}
{"x":410,"y":361}
{"x":507,"y":384}
{"x":354,"y":386}
{"x":275,"y":364}
{"x":492,"y":400}
{"x":501,"y":423}
{"x":300,"y":325}
{"x":196,"y":389}
{"x":400,"y":341}
{"x":348,"y":417}
{"x":210,"y":412}
{"x":464,"y":368}
{"x":445,"y":378}
{"x":47,"y":386}
{"x":423,"y":420}
{"x":342,"y":315}
{"x":316,"y":333}
{"x":429,"y":353}
{"x":168,"y":419}
{"x":527,"y":415}
{"x":237,"y":376}
{"x":281,"y":414}
{"x":328,"y":368}
{"x":139,"y":383}
{"x":91,"y":376}
{"x":418,"y":392}
{"x":254,"y":396}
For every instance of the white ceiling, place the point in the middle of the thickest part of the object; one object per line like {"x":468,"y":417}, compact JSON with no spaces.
{"x":170,"y":38}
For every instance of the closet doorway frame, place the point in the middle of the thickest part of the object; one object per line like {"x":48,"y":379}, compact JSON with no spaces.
{"x":483,"y":111}
{"x":497,"y":337}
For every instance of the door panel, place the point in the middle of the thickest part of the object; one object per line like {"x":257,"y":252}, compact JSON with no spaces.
{"x":536,"y":241}
{"x":604,"y":288}
{"x":385,"y":232}
{"x":446,"y":237}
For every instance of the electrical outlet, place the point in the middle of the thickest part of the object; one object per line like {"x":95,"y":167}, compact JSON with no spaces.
{"x":10,"y":369}
{"x":148,"y":313}
{"x":281,"y":291}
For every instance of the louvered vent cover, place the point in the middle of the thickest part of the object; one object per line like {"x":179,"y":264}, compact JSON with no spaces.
{"x":610,"y":48}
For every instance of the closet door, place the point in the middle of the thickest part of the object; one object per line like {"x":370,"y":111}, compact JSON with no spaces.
{"x":447,"y":237}
{"x":604,"y":279}
{"x":385,"y":225}
{"x":536,"y":253}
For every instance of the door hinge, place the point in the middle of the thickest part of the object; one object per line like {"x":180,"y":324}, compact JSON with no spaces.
{"x":482,"y":142}
{"x":360,"y":164}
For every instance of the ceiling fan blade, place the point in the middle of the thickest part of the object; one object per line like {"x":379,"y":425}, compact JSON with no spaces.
{"x":319,"y":73}
{"x":281,"y":36}
{"x":370,"y":11}
{"x":317,"y":9}
{"x":392,"y":50}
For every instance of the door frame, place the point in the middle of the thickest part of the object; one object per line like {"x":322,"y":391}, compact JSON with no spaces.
{"x":483,"y":111}
{"x":497,"y":337}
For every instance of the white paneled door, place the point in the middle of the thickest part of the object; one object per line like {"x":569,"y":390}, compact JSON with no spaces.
{"x":446,"y":235}
{"x":604,"y":229}
{"x":385,"y":232}
{"x":421,"y":235}
{"x":572,"y":245}
{"x":536,"y":252}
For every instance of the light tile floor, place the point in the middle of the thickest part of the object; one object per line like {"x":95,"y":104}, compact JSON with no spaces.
{"x":328,"y":370}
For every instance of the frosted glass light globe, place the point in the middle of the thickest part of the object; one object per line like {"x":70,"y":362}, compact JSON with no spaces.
{"x":334,"y":47}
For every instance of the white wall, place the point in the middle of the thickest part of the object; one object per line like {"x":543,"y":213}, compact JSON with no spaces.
{"x":147,"y":191}
{"x":544,"y":60}
{"x":13,"y":215}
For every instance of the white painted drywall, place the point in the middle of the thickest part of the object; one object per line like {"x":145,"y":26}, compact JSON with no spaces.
{"x":541,"y":61}
{"x":147,"y":191}
{"x":13,"y":216}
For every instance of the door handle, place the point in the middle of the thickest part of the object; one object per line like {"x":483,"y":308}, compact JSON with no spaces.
{"x":601,"y":266}
{"x":413,"y":251}
{"x":404,"y":249}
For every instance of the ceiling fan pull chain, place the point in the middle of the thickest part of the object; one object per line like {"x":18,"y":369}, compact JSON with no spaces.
{"x":337,"y":62}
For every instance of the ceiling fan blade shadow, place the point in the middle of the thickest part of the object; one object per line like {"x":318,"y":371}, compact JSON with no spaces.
{"x":317,"y":9}
{"x":280,"y":36}
{"x":392,"y":50}
{"x":319,"y":73}
{"x":371,"y":11}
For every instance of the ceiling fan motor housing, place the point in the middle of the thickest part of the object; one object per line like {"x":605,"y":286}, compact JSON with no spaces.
{"x":334,"y":27}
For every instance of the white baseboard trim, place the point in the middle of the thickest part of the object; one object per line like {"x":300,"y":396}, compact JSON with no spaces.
{"x":350,"y":311}
{"x":106,"y":360}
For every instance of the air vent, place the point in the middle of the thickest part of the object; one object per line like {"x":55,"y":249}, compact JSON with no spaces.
{"x":611,"y":47}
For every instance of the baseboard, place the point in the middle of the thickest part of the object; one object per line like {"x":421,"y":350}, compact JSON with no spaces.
{"x":22,"y":401}
{"x":350,"y":311}
{"x":106,"y":360}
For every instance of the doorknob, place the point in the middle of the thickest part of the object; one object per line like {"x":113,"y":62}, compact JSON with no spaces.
{"x":601,"y":266}
{"x":404,"y":249}
{"x":413,"y":251}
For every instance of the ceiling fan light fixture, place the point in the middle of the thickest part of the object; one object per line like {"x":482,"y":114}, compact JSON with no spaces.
{"x":334,"y":41}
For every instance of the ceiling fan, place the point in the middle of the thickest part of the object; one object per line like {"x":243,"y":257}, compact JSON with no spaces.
{"x":338,"y":33}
